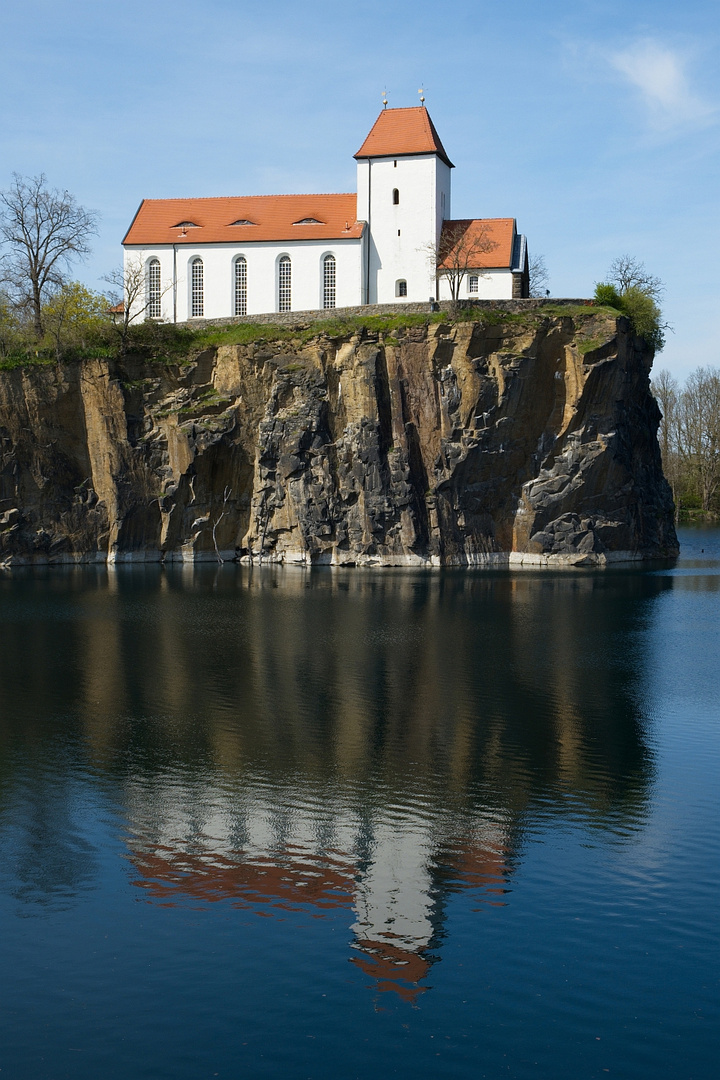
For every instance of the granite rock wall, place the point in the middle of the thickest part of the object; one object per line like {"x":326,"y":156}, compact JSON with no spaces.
{"x":519,"y":439}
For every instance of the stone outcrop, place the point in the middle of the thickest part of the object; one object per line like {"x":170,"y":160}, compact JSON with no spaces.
{"x":514,"y":440}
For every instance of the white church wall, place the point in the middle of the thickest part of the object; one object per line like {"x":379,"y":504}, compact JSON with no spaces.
{"x":307,"y":266}
{"x":491,"y":285}
{"x":443,"y":187}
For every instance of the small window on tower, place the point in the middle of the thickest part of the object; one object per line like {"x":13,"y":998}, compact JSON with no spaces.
{"x":473,"y":284}
{"x":401,"y":287}
{"x":396,"y":197}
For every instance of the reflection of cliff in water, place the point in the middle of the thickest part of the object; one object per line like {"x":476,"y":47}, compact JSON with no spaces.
{"x":366,"y":740}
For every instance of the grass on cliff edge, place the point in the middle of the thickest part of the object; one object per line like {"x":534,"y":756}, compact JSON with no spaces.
{"x":246,"y":333}
{"x":255,"y":333}
{"x":165,"y":343}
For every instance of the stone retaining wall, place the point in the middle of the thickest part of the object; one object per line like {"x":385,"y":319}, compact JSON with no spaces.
{"x":298,"y":318}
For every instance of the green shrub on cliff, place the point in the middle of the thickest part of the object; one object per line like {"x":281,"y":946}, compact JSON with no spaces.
{"x":607,"y":295}
{"x":641,"y":310}
{"x":645,"y":316}
{"x":636,"y":296}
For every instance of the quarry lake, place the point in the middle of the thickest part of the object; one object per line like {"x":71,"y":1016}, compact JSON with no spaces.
{"x":330,"y":824}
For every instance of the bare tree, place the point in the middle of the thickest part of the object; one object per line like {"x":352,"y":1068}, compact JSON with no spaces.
{"x":626,"y":272}
{"x":666,"y":390}
{"x":461,"y":250}
{"x":131,"y":283}
{"x":698,"y":431}
{"x":539,"y":276}
{"x":44,"y":230}
{"x":667,"y":394}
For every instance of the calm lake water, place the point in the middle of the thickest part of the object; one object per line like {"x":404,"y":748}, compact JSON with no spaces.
{"x":322,"y":824}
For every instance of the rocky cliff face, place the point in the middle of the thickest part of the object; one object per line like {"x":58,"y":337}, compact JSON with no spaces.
{"x":527,"y":440}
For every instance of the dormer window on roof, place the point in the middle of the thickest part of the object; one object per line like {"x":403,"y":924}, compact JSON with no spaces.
{"x":243,"y":221}
{"x":308,"y":221}
{"x":186,"y":225}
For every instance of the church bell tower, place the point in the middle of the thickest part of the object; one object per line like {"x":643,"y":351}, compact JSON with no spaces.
{"x":403,"y":195}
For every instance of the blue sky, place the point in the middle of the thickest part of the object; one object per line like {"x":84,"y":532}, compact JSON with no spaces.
{"x":595,"y":124}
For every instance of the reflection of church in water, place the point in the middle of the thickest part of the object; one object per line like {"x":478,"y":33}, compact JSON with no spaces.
{"x":366,"y":747}
{"x":393,"y":873}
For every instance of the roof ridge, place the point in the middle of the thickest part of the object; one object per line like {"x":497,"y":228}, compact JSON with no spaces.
{"x":458,"y":221}
{"x":271,"y":195}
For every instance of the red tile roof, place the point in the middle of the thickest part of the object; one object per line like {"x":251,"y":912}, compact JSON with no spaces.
{"x":159,"y":221}
{"x":480,"y":243}
{"x":398,"y":132}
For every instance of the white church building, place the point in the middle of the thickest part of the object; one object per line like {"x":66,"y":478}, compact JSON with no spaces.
{"x":393,"y":241}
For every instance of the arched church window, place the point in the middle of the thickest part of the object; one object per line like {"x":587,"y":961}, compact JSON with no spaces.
{"x":240,"y":285}
{"x":285,"y":284}
{"x":197,"y":306}
{"x":401,"y":287}
{"x":396,"y":197}
{"x":154,"y":310}
{"x":329,"y":281}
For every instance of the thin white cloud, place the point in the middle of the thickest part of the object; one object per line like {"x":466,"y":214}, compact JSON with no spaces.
{"x":659,"y":73}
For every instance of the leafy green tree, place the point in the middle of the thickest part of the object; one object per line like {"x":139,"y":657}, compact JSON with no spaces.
{"x":74,"y":317}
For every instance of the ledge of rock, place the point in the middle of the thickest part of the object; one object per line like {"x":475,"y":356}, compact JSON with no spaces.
{"x":527,"y":441}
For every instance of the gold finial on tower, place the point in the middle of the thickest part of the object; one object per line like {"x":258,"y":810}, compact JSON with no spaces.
{"x":384,"y":99}
{"x":421,"y":92}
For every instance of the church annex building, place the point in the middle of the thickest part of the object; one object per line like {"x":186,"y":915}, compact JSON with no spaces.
{"x":214,"y":258}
